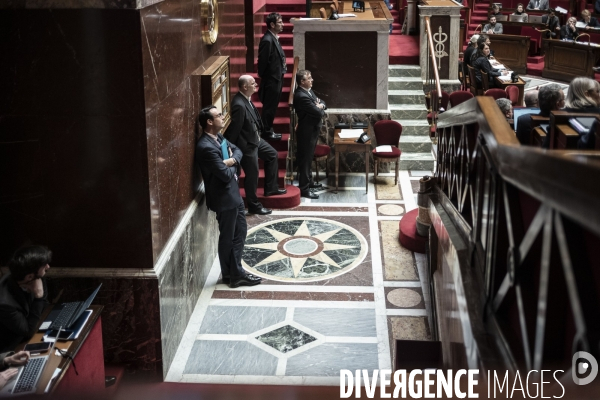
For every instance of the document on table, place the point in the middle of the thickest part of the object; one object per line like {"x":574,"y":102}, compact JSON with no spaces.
{"x":346,"y":15}
{"x":383,"y":149}
{"x":580,"y":24}
{"x":499,"y":66}
{"x":505,"y":78}
{"x":351,"y":133}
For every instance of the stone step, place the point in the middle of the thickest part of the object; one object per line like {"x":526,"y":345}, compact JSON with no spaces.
{"x":404,"y":70}
{"x":408,"y":111}
{"x":406,"y":97}
{"x":405,"y":83}
{"x":415,"y":144}
{"x":414,"y":127}
{"x":417,"y":161}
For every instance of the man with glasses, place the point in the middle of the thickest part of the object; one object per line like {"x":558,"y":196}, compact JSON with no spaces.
{"x":219,"y":163}
{"x":23,"y":295}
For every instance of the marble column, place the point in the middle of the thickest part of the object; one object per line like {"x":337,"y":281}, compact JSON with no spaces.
{"x":411,"y":11}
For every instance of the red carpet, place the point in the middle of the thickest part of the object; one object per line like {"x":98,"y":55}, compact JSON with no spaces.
{"x":408,"y":233}
{"x":404,"y":49}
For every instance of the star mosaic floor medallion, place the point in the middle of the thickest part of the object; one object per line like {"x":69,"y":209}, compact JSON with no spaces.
{"x":302,"y":249}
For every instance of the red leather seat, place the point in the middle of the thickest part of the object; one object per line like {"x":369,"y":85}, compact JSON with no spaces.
{"x":387,"y":133}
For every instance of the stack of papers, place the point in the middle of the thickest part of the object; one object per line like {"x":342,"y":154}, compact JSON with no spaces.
{"x":498,"y":66}
{"x":346,"y":15}
{"x":383,"y":149}
{"x":505,"y":78}
{"x":351,"y":133}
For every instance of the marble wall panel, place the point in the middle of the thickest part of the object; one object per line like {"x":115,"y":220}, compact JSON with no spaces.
{"x":72,"y":136}
{"x":183,"y":277}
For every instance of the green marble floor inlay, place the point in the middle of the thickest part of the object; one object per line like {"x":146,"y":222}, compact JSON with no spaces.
{"x":286,"y":338}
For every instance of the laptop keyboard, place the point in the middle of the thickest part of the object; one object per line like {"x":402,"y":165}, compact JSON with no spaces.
{"x":65,"y":315}
{"x":29,"y":377}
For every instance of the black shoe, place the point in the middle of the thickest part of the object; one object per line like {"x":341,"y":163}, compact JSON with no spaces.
{"x":260,"y":211}
{"x":315,"y":185}
{"x":225,"y":280}
{"x":247,"y":280}
{"x":272,"y":136}
{"x":309,"y":194}
{"x":276,"y":192}
{"x":109,"y":381}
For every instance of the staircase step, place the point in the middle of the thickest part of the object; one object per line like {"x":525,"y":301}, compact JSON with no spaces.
{"x":406,"y":96}
{"x":404,"y":70}
{"x":535,"y":60}
{"x":281,"y":145}
{"x":261,"y":178}
{"x":283,"y":109}
{"x":408,"y":111}
{"x":288,"y":200}
{"x":417,"y":161}
{"x":281,"y":125}
{"x":405,"y":83}
{"x":414,"y":127}
{"x":415,"y":144}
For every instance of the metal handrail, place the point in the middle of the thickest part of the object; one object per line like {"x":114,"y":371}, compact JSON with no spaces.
{"x":436,"y":78}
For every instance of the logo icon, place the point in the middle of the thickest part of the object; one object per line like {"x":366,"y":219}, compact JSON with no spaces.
{"x":581,"y":368}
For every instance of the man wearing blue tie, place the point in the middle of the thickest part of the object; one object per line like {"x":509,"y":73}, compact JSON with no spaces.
{"x":220,"y":176}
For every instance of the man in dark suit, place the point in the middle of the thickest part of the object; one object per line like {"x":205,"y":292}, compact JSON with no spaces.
{"x":244,"y":131}
{"x":223,"y":196}
{"x":23,"y":295}
{"x":550,"y":98}
{"x":538,"y":5}
{"x":552,"y":22}
{"x":271,"y":67}
{"x":309,"y":109}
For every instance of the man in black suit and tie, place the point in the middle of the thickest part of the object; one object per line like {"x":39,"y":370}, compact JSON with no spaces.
{"x":271,"y":67}
{"x":309,"y":109}
{"x":23,"y":295}
{"x":244,"y":131}
{"x":223,"y":196}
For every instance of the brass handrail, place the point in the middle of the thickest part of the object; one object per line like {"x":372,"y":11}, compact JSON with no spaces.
{"x":434,"y":107}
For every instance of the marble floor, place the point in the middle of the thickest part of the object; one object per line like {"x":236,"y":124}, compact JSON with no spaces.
{"x":337,"y":290}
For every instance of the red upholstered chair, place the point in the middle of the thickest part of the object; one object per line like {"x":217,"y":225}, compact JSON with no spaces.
{"x":460,"y":96}
{"x":513,"y":94}
{"x":496,"y":93}
{"x":434,"y":98}
{"x":387,"y":133}
{"x":322,"y":153}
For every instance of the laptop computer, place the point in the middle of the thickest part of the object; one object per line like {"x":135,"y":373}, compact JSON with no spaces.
{"x":65,"y":314}
{"x":535,"y":19}
{"x":516,"y":18}
{"x":517,"y":112}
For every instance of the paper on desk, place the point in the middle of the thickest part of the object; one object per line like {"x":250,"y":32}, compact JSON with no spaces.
{"x":351,"y":133}
{"x":499,"y":66}
{"x":560,"y":10}
{"x":383,"y":149}
{"x":310,"y":19}
{"x":505,"y":77}
{"x":580,"y":24}
{"x":346,"y":15}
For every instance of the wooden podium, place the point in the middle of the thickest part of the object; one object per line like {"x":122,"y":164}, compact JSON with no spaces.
{"x":512,"y":49}
{"x":567,"y":60}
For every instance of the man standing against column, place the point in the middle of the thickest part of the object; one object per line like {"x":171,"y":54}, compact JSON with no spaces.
{"x":271,"y":67}
{"x":220,"y":176}
{"x":244,"y":131}
{"x":309,"y":109}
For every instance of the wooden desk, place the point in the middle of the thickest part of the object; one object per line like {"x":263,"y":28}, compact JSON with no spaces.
{"x":513,"y":50}
{"x":71,"y":347}
{"x":520,"y":84}
{"x":345,"y":145}
{"x":567,"y":60}
{"x":562,"y":136}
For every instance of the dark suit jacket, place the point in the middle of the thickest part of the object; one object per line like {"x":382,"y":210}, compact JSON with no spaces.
{"x":222,"y":190}
{"x":566,"y":33}
{"x":270,"y":58}
{"x":552,"y":24}
{"x":245,"y":126}
{"x":593,"y":22}
{"x":544,"y":5}
{"x":309,"y":115}
{"x":19,"y":313}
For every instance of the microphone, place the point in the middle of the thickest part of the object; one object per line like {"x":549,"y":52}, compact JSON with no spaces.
{"x":334,"y":14}
{"x":478,"y":27}
{"x":584,"y":34}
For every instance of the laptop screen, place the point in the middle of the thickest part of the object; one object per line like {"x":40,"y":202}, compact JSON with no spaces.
{"x":517,"y":112}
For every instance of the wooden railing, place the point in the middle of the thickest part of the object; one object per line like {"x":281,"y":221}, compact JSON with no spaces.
{"x":292,"y":140}
{"x":514,"y":245}
{"x":432,"y":80}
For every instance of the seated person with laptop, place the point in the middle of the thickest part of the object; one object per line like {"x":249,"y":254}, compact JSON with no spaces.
{"x":9,"y":360}
{"x":23,"y":295}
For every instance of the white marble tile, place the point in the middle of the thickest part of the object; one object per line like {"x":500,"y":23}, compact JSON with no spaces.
{"x":336,"y":322}
{"x":411,"y":312}
{"x":240,"y":320}
{"x":292,"y":303}
{"x":402,"y":284}
{"x":299,"y":288}
{"x":330,"y":358}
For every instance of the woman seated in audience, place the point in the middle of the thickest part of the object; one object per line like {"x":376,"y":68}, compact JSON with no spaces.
{"x":584,"y":97}
{"x":482,"y":63}
{"x":588,"y":20}
{"x":520,"y":11}
{"x":569,"y":31}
